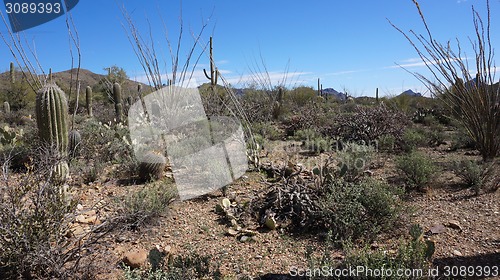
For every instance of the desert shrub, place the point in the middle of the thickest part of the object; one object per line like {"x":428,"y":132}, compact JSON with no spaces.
{"x":359,"y":210}
{"x":414,"y":254}
{"x":142,"y":206}
{"x":353,"y":160}
{"x":319,"y":144}
{"x":475,"y":175}
{"x":267,"y":130}
{"x":105,"y":143}
{"x":435,"y":135}
{"x":190,"y":266}
{"x":35,"y":218}
{"x":386,"y":143}
{"x":258,"y":105}
{"x":417,"y":169}
{"x":462,"y":140}
{"x":412,"y":138}
{"x":369,"y":123}
{"x":305,"y":134}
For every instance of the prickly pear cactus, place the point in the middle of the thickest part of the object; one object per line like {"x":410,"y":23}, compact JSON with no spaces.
{"x":117,"y":96}
{"x":88,"y":99}
{"x":74,"y":143}
{"x":151,"y":166}
{"x":52,"y":123}
{"x":6,"y":107}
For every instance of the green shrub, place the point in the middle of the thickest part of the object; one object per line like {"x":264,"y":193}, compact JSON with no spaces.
{"x":268,"y":130}
{"x":414,"y":254}
{"x":352,"y":211}
{"x":413,"y":138}
{"x":417,"y":168}
{"x":319,"y":144}
{"x":462,"y":140}
{"x":141,"y":207}
{"x":386,"y":143}
{"x":475,"y":175}
{"x":191,"y":266}
{"x":353,"y":160}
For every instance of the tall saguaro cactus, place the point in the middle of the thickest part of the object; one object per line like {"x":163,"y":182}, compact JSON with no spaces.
{"x":117,"y":96}
{"x":12,"y":73}
{"x":52,"y":122}
{"x":88,"y":100}
{"x":376,"y":95}
{"x":214,"y":73}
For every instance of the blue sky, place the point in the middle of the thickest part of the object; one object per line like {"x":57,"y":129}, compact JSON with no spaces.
{"x":349,"y":45}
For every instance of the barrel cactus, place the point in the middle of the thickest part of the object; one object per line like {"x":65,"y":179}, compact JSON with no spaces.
{"x":151,"y":166}
{"x":88,"y":99}
{"x":117,"y":96}
{"x":52,"y":122}
{"x":74,"y":143}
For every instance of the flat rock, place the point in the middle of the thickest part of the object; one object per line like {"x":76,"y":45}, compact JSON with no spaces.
{"x":454,"y":224}
{"x":437,"y":229}
{"x":457,"y":253}
{"x":135,"y":259}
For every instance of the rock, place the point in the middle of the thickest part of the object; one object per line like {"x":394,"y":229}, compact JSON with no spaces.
{"x":437,"y":229}
{"x":454,"y":224}
{"x":135,"y":259}
{"x":232,"y":232}
{"x":457,"y":253}
{"x":271,"y":223}
{"x":244,"y":238}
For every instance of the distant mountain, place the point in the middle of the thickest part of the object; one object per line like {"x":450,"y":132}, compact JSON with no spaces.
{"x":63,"y":78}
{"x":330,"y":92}
{"x":411,"y":93}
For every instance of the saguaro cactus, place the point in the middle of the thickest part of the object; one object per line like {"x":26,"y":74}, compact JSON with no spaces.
{"x":75,"y":139}
{"x":117,"y":96}
{"x":88,"y":99}
{"x":12,"y":73}
{"x":52,"y":122}
{"x":214,"y":73}
{"x":376,"y":95}
{"x":6,"y":107}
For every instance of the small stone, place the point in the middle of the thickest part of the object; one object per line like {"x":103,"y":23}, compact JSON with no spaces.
{"x":244,"y":238}
{"x":136,"y":258}
{"x":232,"y":232}
{"x":79,"y":207}
{"x":258,"y":257}
{"x":457,"y":253}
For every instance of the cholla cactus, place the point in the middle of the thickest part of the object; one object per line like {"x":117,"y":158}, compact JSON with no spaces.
{"x":52,"y":122}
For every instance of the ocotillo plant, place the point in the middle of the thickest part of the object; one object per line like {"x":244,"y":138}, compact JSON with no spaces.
{"x":12,"y":73}
{"x":88,"y":99}
{"x":117,"y":96}
{"x":213,"y":70}
{"x":6,"y":107}
{"x":52,"y":122}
